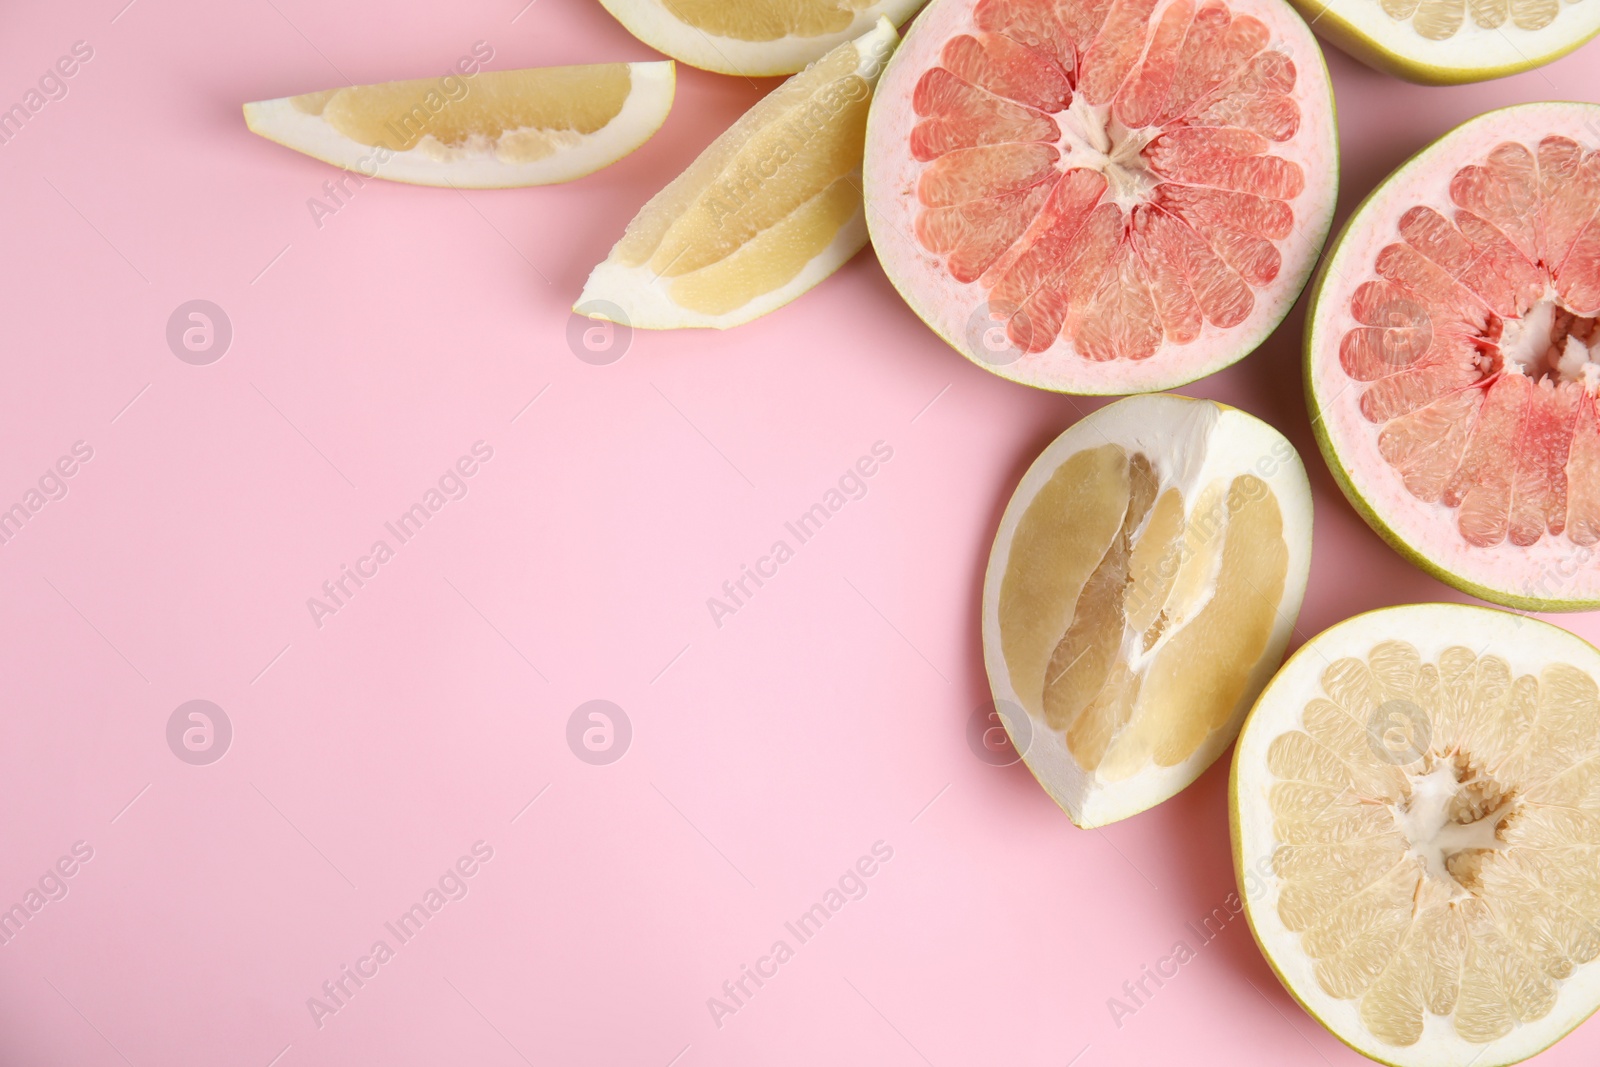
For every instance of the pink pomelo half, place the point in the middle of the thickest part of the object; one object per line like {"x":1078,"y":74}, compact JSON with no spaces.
{"x":1453,"y":357}
{"x":1102,"y":196}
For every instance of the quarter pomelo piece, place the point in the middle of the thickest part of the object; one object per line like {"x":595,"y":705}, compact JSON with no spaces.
{"x":1142,"y":587}
{"x":1448,"y":365}
{"x":768,"y":210}
{"x":1416,"y":824}
{"x":755,"y":38}
{"x":1446,"y":42}
{"x":492,"y":129}
{"x":1102,"y":197}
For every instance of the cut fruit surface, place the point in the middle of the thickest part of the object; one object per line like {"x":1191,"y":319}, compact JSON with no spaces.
{"x":491,"y":129}
{"x":756,"y":38}
{"x":1141,"y":590}
{"x":1102,"y":197}
{"x":1448,"y":357}
{"x":768,"y":210}
{"x":1416,"y":823}
{"x":1446,"y":42}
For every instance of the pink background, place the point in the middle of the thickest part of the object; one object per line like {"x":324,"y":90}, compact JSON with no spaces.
{"x":370,"y":753}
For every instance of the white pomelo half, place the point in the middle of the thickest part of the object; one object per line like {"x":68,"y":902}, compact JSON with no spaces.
{"x":768,"y":210}
{"x":489,"y":130}
{"x":1102,"y":198}
{"x":1446,"y":42}
{"x":1453,"y":357}
{"x":756,"y":38}
{"x":1416,"y":824}
{"x":1141,"y":590}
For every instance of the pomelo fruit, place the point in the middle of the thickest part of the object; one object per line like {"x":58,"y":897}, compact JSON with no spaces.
{"x":1415,"y":808}
{"x":1448,"y":367}
{"x":492,"y":129}
{"x":1447,"y":42}
{"x":768,"y":210}
{"x":1141,"y":590}
{"x":755,"y":38}
{"x":1102,"y":196}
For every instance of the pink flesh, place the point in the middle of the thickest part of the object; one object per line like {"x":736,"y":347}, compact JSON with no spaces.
{"x":1515,"y":451}
{"x":1056,"y":252}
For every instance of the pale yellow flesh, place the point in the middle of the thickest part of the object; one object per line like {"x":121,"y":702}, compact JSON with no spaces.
{"x":767,"y":20}
{"x":1452,"y":869}
{"x":1439,"y":20}
{"x":1130,"y":623}
{"x":765,"y":198}
{"x":525,"y":115}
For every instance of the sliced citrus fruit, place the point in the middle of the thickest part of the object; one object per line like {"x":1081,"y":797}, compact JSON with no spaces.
{"x":1446,"y":42}
{"x":1416,"y":824}
{"x":1448,"y":361}
{"x":1102,"y":197}
{"x":1142,"y":587}
{"x":492,"y":129}
{"x":755,"y":38}
{"x":768,"y":210}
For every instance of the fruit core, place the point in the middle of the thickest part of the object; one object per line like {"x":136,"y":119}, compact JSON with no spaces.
{"x":1105,"y":175}
{"x":1475,"y":346}
{"x":1449,"y":818}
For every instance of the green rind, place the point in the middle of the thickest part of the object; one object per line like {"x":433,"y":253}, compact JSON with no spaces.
{"x":1235,"y":834}
{"x":1165,"y":385}
{"x":1330,"y":455}
{"x":1331,"y":27}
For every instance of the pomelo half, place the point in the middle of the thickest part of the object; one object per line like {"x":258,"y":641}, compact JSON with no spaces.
{"x":1102,"y":196}
{"x":1141,"y":590}
{"x":1447,"y":42}
{"x":755,"y":38}
{"x":768,"y":210}
{"x":1416,"y":824}
{"x":1448,"y":366}
{"x":488,"y":130}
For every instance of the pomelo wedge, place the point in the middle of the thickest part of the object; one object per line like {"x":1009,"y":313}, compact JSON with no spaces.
{"x":1446,"y":42}
{"x":1102,"y":196}
{"x":1448,"y":365}
{"x":1142,"y":587}
{"x":492,"y":129}
{"x":768,"y":210}
{"x":755,"y":38}
{"x":1416,"y":824}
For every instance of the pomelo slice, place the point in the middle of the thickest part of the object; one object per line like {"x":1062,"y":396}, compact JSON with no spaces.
{"x":1143,"y":584}
{"x":768,"y":210}
{"x":755,"y":38}
{"x":492,"y":129}
{"x":1102,"y":197}
{"x":1416,"y":825}
{"x":1448,"y":365}
{"x":1446,"y":42}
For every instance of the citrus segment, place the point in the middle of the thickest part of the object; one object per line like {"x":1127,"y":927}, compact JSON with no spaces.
{"x":1416,"y":826}
{"x":753,"y":37}
{"x":1450,"y":343}
{"x":486,"y":130}
{"x":1453,"y":41}
{"x":1142,"y":585}
{"x":1102,"y":197}
{"x":768,"y":210}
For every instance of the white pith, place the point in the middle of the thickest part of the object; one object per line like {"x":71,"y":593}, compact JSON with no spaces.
{"x":1191,"y":442}
{"x":656,"y":26}
{"x":1472,"y":53}
{"x":476,"y":165}
{"x":642,"y":298}
{"x":1527,"y":645}
{"x":1091,"y":139}
{"x":948,"y":306}
{"x":1552,"y":574}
